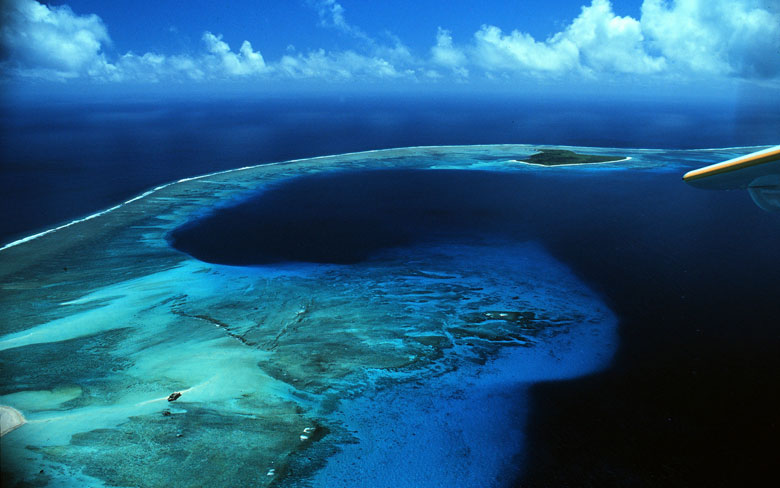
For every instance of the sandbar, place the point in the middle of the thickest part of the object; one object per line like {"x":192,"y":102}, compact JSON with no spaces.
{"x":10,"y":419}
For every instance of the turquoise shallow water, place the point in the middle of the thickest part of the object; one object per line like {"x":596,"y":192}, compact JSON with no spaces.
{"x":410,"y":366}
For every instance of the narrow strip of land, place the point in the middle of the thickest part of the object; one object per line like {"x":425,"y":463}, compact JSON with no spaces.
{"x":559,"y":157}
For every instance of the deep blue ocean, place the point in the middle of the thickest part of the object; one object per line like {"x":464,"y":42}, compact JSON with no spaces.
{"x":63,"y":159}
{"x":693,"y":276}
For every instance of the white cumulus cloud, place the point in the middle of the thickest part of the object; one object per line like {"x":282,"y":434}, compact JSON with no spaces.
{"x":332,"y":15}
{"x":608,"y":42}
{"x":51,"y":42}
{"x":447,"y":55}
{"x":495,"y":51}
{"x":727,"y":37}
{"x":222,"y":59}
{"x":596,"y":41}
{"x":55,"y":42}
{"x":672,"y":37}
{"x":338,"y":66}
{"x":152,"y":67}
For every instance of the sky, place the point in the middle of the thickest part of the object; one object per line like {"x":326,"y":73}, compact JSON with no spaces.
{"x":647,"y":45}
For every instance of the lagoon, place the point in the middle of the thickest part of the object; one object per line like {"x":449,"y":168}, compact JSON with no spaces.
{"x":400,"y":308}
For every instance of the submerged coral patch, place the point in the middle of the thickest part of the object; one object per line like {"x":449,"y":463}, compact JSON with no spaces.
{"x":315,"y":282}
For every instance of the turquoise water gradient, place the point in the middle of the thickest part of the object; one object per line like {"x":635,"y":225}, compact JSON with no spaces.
{"x":408,"y":364}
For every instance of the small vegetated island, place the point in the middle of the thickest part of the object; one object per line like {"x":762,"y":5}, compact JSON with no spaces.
{"x":558,"y":157}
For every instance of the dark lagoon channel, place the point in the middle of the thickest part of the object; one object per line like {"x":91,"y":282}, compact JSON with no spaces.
{"x":693,"y":276}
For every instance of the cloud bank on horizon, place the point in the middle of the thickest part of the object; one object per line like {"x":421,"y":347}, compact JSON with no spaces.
{"x":677,"y":39}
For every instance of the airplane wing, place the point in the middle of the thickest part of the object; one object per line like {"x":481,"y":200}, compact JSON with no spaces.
{"x":758,"y":172}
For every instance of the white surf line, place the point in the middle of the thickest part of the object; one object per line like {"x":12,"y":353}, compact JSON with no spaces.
{"x":138,"y":197}
{"x":552,"y":146}
{"x":627,"y":158}
{"x":183,"y":180}
{"x":724,"y":148}
{"x":355,"y":153}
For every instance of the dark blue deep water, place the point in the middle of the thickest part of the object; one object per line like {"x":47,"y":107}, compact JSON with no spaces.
{"x":692,"y":397}
{"x":62,"y":159}
{"x":348,"y":217}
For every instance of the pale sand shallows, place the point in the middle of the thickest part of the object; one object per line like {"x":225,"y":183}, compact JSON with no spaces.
{"x":262,"y":354}
{"x":10,"y":419}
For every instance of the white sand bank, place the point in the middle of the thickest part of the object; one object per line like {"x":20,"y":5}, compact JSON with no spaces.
{"x":10,"y":419}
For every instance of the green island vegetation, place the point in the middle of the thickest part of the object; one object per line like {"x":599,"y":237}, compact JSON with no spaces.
{"x":555,"y":157}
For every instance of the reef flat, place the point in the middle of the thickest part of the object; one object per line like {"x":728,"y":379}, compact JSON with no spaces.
{"x":103,"y":321}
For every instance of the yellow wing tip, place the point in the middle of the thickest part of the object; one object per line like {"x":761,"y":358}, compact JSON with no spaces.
{"x":689,"y":175}
{"x":738,"y":163}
